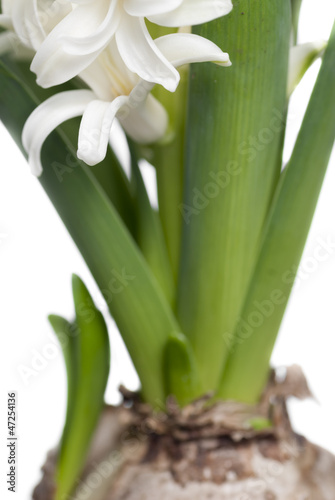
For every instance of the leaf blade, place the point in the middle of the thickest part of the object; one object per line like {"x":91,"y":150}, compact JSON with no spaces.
{"x":284,"y":238}
{"x":181,"y":374}
{"x":68,"y":339}
{"x":230,"y":178}
{"x":90,"y":363}
{"x":131,"y":291}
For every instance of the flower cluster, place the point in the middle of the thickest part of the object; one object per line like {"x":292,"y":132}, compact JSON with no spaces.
{"x":107,"y":44}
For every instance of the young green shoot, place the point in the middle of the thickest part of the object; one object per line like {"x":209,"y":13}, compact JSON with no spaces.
{"x":85,"y":344}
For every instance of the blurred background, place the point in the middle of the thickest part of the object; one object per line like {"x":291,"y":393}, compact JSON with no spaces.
{"x":37,"y":258}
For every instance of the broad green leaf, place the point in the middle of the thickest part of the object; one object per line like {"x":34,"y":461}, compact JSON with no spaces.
{"x":181,"y":374}
{"x":132,"y":293}
{"x":87,"y":359}
{"x":235,"y":133}
{"x":149,"y":233}
{"x":284,"y":238}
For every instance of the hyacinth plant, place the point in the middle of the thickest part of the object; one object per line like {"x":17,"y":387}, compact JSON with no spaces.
{"x":209,"y":272}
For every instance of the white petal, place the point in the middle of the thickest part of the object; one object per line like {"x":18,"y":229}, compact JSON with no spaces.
{"x":145,"y":8}
{"x":95,"y":40}
{"x":108,"y":76}
{"x":146,"y":123}
{"x":142,"y":56}
{"x":48,"y":116}
{"x":192,"y":12}
{"x":301,"y":58}
{"x":27,"y":23}
{"x":76,"y":41}
{"x":81,"y":2}
{"x":56,"y":12}
{"x":8,"y":42}
{"x":95,"y":129}
{"x":96,"y":78}
{"x":6,"y":21}
{"x":6,"y":6}
{"x":185,"y":48}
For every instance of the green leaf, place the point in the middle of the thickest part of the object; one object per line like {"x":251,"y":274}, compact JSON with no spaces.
{"x":260,"y":423}
{"x":116,"y":185}
{"x":234,"y":143}
{"x":149,"y":233}
{"x":87,"y":358}
{"x":131,"y":291}
{"x":181,"y":374}
{"x":283,"y":241}
{"x":67,"y":335}
{"x":296,"y":6}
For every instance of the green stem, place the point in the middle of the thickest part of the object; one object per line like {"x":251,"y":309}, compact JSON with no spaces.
{"x":168,"y":158}
{"x":149,"y":232}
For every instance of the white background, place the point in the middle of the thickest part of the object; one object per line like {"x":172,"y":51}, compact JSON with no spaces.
{"x":37,"y":258}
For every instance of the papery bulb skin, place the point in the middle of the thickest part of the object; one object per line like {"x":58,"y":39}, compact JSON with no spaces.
{"x":137,"y":455}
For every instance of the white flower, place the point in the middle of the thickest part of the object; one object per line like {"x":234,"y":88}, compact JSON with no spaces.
{"x":301,"y":58}
{"x":107,"y":44}
{"x":81,"y":36}
{"x":116,"y":92}
{"x":28,"y":22}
